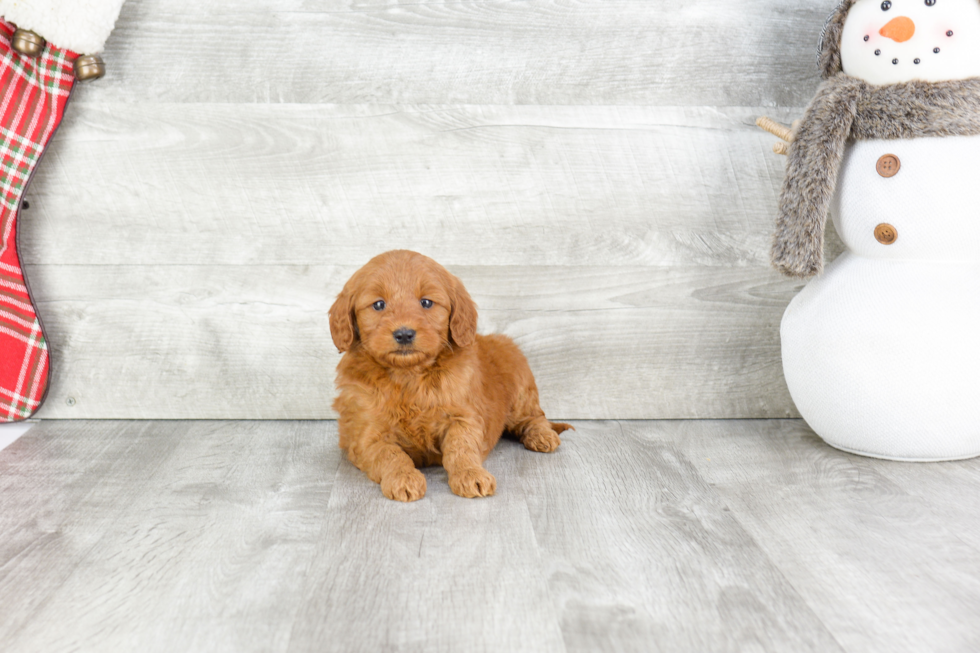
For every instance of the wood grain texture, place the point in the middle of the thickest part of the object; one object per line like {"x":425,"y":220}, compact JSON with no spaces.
{"x":258,"y":184}
{"x":253,"y":341}
{"x":613,"y":52}
{"x":945,"y":490}
{"x":622,"y":519}
{"x":200,"y":204}
{"x":206,"y":551}
{"x":685,"y":536}
{"x":876,"y":548}
{"x":61,"y":486}
{"x":447,"y":574}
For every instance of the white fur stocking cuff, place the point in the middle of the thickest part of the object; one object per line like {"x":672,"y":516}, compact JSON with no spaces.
{"x":78,"y":25}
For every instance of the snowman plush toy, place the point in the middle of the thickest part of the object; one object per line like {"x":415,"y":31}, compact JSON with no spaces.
{"x":881,"y":350}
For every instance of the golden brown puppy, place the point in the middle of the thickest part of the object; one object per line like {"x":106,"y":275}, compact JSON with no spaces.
{"x":419,"y":387}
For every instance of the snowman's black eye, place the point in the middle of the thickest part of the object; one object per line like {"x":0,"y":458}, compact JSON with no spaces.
{"x":930,"y":3}
{"x":877,"y":53}
{"x":867,"y":38}
{"x":895,"y":61}
{"x":936,"y":50}
{"x":949,"y":33}
{"x":886,"y":5}
{"x":917,"y":62}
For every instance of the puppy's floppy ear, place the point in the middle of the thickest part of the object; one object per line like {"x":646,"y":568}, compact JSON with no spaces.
{"x":343,"y":326}
{"x":462,"y":319}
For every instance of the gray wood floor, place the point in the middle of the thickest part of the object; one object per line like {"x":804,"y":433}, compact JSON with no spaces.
{"x":635,"y":536}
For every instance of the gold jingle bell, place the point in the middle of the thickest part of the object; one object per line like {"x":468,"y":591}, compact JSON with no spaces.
{"x":27,"y":43}
{"x":89,"y":66}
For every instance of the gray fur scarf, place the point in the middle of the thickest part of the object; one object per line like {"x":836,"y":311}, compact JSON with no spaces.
{"x":847,"y":109}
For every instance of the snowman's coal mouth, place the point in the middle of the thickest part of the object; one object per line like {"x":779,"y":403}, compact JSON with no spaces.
{"x":896,"y":60}
{"x":918,"y":60}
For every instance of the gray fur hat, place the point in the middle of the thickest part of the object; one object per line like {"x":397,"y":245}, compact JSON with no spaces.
{"x":828,"y":54}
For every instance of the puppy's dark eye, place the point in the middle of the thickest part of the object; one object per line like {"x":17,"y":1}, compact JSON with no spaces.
{"x":426,"y":303}
{"x":379,"y":305}
{"x":886,"y":5}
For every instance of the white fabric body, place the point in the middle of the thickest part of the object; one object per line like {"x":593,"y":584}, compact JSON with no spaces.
{"x":881,"y":353}
{"x":958,"y":56}
{"x":932,"y":201}
{"x":78,"y":25}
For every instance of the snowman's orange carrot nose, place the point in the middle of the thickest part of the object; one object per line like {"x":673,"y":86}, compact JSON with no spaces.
{"x":899,"y":29}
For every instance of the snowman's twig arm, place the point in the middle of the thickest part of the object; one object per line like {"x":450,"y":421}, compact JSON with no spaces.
{"x":774,"y":128}
{"x":787,"y":134}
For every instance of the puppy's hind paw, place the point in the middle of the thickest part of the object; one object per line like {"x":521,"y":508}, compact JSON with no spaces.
{"x":407,"y":486}
{"x":472,"y":483}
{"x":541,"y":440}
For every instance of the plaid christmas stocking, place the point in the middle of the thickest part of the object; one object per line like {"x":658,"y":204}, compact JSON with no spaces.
{"x":33,"y":95}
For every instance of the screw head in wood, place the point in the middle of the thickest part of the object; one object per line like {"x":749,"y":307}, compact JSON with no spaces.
{"x":27,"y":43}
{"x":89,"y":66}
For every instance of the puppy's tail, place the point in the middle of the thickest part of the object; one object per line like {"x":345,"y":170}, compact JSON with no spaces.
{"x":561,"y":427}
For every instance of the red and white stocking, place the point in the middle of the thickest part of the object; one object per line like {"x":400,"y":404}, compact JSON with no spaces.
{"x":36,"y":79}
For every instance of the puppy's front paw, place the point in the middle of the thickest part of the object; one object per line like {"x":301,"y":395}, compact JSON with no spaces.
{"x":541,"y":439}
{"x":405,"y":486}
{"x":472,"y":483}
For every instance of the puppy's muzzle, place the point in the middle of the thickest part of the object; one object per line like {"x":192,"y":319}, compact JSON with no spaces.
{"x":404,"y":336}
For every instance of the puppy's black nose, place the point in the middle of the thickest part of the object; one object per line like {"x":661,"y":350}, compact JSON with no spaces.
{"x":404,"y":336}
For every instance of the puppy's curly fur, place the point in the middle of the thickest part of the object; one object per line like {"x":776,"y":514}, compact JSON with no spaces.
{"x":419,"y":387}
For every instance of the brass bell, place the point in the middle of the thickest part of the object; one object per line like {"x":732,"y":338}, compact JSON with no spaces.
{"x":89,"y":66}
{"x":27,"y":43}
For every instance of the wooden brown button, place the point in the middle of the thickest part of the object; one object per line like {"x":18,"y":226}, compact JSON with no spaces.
{"x":888,"y":165}
{"x":886,"y":234}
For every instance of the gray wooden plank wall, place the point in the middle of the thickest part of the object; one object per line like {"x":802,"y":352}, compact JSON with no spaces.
{"x":589,"y":168}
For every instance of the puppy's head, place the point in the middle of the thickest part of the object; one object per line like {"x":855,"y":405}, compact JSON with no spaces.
{"x":403,"y":309}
